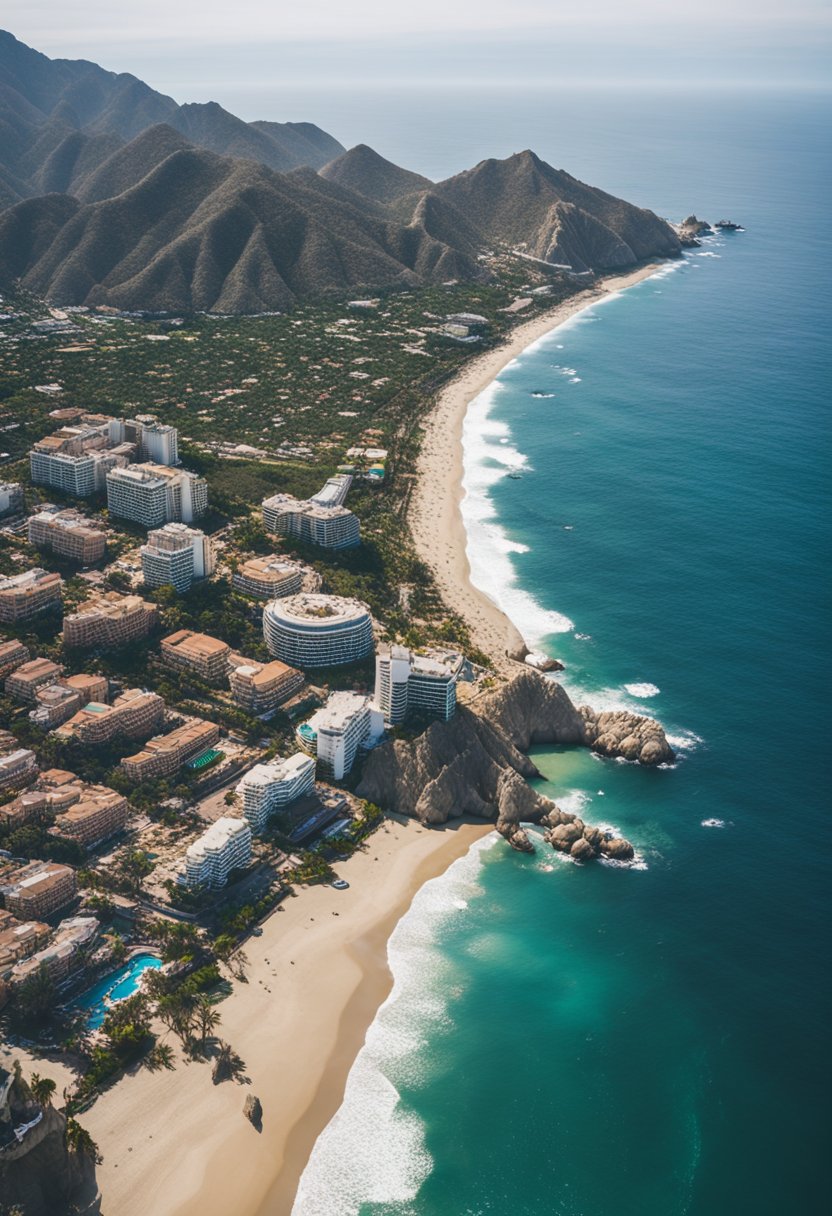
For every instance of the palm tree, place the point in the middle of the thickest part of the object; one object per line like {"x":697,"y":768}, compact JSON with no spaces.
{"x":42,"y":1089}
{"x":79,"y":1141}
{"x":207,"y":1019}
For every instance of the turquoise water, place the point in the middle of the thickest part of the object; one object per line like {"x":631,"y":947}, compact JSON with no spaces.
{"x":644,"y":1041}
{"x":115,"y":987}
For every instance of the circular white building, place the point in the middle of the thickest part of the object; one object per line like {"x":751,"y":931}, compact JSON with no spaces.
{"x":318,"y":630}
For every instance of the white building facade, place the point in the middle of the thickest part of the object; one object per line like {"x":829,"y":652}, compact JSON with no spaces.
{"x":267,"y":788}
{"x":421,"y":683}
{"x":336,"y":732}
{"x":153,"y":495}
{"x":318,"y":630}
{"x":226,"y":846}
{"x":176,"y":555}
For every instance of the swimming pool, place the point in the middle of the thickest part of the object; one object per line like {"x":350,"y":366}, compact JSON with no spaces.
{"x":115,"y":987}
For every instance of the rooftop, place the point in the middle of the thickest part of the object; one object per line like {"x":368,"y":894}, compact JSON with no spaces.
{"x":311,"y":609}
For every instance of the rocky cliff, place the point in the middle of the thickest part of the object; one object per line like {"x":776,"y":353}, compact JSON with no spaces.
{"x":476,"y":764}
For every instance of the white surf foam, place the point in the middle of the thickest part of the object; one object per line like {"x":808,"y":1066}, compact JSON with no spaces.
{"x":642,"y":690}
{"x":714,"y":823}
{"x":346,"y":1169}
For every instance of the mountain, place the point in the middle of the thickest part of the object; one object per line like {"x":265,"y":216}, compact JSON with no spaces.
{"x":366,"y":173}
{"x":525,"y":203}
{"x":61,"y":118}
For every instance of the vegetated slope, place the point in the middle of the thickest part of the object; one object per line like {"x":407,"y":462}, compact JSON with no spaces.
{"x":203,"y":232}
{"x":367,"y":173}
{"x":61,"y":118}
{"x":553,"y":216}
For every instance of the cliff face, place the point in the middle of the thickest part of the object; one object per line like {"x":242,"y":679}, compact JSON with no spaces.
{"x":475,"y":764}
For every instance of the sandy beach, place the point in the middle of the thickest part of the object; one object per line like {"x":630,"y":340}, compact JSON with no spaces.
{"x":435,"y":516}
{"x":173,"y":1143}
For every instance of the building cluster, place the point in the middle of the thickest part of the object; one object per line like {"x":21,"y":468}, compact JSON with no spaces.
{"x":67,"y":533}
{"x":77,"y":458}
{"x":26,"y":595}
{"x":67,"y":950}
{"x":313,"y":630}
{"x":162,"y":755}
{"x":321,"y":520}
{"x":258,"y":688}
{"x":367,"y":463}
{"x":464,"y":326}
{"x":38,"y":889}
{"x":176,"y":555}
{"x":108,"y":620}
{"x":39,"y":682}
{"x":134,"y":714}
{"x":73,"y":809}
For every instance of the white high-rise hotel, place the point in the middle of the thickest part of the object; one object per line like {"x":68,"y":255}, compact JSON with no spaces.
{"x":176,"y":555}
{"x":335,"y":732}
{"x":154,"y":494}
{"x":408,"y":682}
{"x":226,"y":846}
{"x":266,"y":788}
{"x":77,"y":458}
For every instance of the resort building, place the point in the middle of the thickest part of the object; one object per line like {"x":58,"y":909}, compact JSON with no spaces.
{"x":164,"y":754}
{"x":54,"y":705}
{"x":261,"y":687}
{"x":90,"y":687}
{"x":97,"y":814}
{"x":12,"y":655}
{"x":269,"y":578}
{"x":73,"y":940}
{"x":38,"y":890}
{"x":24,"y":683}
{"x":175,"y":556}
{"x":23,"y":809}
{"x":77,"y":458}
{"x":18,"y":767}
{"x":335,"y":732}
{"x":407,"y":682}
{"x":108,"y":620}
{"x":328,"y":527}
{"x":69,"y":534}
{"x":160,"y":443}
{"x":205,"y":656}
{"x":134,"y":715}
{"x":318,"y":630}
{"x":23,"y":596}
{"x":153,"y":494}
{"x":12,"y":501}
{"x":267,"y":788}
{"x":226,"y":846}
{"x":19,"y":940}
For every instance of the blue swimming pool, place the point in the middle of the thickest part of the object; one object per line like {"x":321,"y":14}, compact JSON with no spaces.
{"x":115,"y":987}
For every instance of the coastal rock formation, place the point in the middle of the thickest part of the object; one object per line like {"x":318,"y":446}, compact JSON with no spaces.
{"x":475,"y":764}
{"x":253,"y":1111}
{"x":39,"y":1174}
{"x":690,"y":229}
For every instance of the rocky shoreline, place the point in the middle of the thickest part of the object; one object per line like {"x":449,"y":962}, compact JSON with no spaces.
{"x":476,"y":764}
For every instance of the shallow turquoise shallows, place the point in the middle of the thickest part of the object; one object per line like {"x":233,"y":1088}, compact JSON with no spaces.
{"x":115,"y":987}
{"x":652,"y":1040}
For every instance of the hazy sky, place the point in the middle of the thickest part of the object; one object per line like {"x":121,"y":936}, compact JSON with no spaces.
{"x":197,"y":48}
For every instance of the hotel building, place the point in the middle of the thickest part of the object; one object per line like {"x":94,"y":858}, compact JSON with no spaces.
{"x":38,"y":890}
{"x":18,"y":767}
{"x":261,"y":687}
{"x":321,"y":520}
{"x":12,"y":655}
{"x":269,"y":578}
{"x":108,"y":620}
{"x":97,"y":814}
{"x":422,"y":683}
{"x":160,"y":443}
{"x":267,"y":788}
{"x":176,"y":555}
{"x":12,"y":501}
{"x":69,"y":534}
{"x":90,"y":687}
{"x":23,"y":596}
{"x":24,"y":683}
{"x":226,"y":846}
{"x":335,"y":732}
{"x":54,"y":704}
{"x":205,"y":656}
{"x":318,"y":630}
{"x":19,"y":940}
{"x":153,"y":494}
{"x":133,"y":715}
{"x":72,"y":941}
{"x":77,"y":458}
{"x":164,"y":754}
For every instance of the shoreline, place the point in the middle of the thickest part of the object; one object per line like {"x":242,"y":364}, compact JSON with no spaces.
{"x":315,"y":980}
{"x":435,"y":513}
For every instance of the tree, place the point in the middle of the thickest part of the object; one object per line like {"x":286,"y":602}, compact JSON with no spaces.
{"x":35,"y":997}
{"x":79,"y":1141}
{"x":42,"y":1089}
{"x":207,"y":1019}
{"x":160,"y":1056}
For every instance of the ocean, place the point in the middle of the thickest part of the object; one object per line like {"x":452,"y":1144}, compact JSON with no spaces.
{"x":648,"y":1040}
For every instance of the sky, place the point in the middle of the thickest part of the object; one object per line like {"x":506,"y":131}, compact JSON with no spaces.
{"x":205,"y":49}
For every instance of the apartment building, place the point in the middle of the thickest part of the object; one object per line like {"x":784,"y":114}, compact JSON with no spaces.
{"x":226,"y":846}
{"x":72,"y":942}
{"x":25,"y":808}
{"x":133,"y":715}
{"x":23,"y":596}
{"x":407,"y":682}
{"x":54,"y":705}
{"x":37,"y":890}
{"x":205,"y":656}
{"x":78,"y":456}
{"x":19,"y":940}
{"x":90,"y":687}
{"x":97,"y":814}
{"x":269,"y":578}
{"x":160,"y":443}
{"x":261,"y":687}
{"x":18,"y":767}
{"x":267,"y":788}
{"x":335,"y":733}
{"x":153,"y":494}
{"x":176,"y":556}
{"x":12,"y":655}
{"x":24,"y":682}
{"x":312,"y":630}
{"x":108,"y":620}
{"x":12,"y":501}
{"x":164,"y":754}
{"x":69,"y":534}
{"x":328,"y":527}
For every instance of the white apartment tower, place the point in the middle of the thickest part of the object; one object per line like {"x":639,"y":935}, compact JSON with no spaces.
{"x":421,"y":683}
{"x":267,"y":788}
{"x":226,"y":846}
{"x":176,"y":555}
{"x":335,"y":732}
{"x":160,"y":444}
{"x":154,"y":494}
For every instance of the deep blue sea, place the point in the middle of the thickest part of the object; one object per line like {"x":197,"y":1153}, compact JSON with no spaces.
{"x":652,"y":1040}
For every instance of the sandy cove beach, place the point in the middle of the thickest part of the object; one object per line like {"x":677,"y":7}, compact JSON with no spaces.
{"x":435,"y":515}
{"x":173,"y":1143}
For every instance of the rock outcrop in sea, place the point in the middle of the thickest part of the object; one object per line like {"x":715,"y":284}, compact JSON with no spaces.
{"x":476,"y":764}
